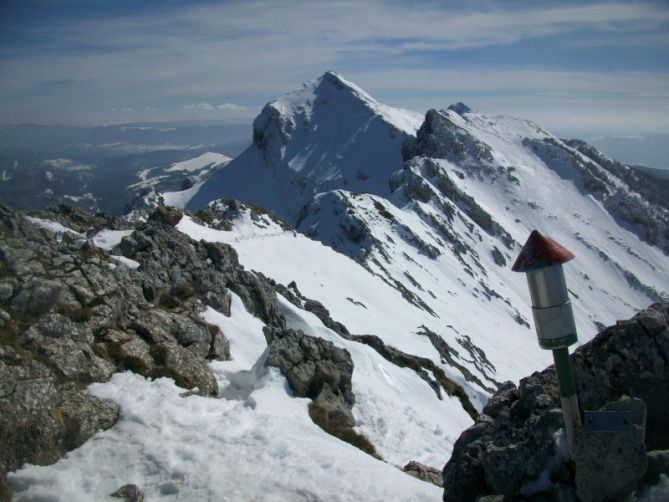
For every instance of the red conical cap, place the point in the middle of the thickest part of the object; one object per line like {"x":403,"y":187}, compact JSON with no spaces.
{"x":540,"y":251}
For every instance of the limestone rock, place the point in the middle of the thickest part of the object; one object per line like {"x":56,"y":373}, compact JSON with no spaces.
{"x":82,"y":414}
{"x":609,"y":464}
{"x":37,"y":297}
{"x":514,"y":439}
{"x":310,"y":363}
{"x":67,"y":346}
{"x":167,"y":215}
{"x":157,"y":325}
{"x":131,"y":352}
{"x":41,"y":419}
{"x":424,"y":473}
{"x":27,"y":393}
{"x":184,"y":367}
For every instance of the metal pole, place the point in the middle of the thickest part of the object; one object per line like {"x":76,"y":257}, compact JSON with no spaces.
{"x":568,"y":399}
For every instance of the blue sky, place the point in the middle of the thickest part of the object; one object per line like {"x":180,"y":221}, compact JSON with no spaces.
{"x":573,"y":67}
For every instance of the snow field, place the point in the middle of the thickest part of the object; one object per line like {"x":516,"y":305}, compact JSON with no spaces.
{"x":108,"y":239}
{"x":262,"y":446}
{"x":210,"y":159}
{"x":561,"y":211}
{"x":395,"y":409}
{"x":181,"y":198}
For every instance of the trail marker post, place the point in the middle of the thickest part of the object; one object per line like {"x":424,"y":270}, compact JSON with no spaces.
{"x":541,"y":259}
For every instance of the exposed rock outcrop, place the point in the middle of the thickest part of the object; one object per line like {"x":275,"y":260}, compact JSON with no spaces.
{"x":424,"y":473}
{"x":129,"y":493}
{"x":315,"y":368}
{"x":72,"y":314}
{"x":514,"y":446}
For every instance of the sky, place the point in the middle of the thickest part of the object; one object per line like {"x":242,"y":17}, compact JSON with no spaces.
{"x":572,"y":67}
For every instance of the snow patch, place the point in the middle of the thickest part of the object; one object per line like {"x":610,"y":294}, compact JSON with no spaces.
{"x":108,"y":239}
{"x":208,"y":159}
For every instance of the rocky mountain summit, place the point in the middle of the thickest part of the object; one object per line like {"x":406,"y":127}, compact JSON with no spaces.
{"x":515,"y":449}
{"x":85,"y":296}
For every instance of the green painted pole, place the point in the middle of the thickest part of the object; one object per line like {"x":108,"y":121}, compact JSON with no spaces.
{"x":568,"y":399}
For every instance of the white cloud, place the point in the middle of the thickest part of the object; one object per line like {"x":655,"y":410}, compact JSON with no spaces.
{"x":253,"y":51}
{"x":208,"y":107}
{"x":554,"y":83}
{"x":231,"y":107}
{"x":198,"y":106}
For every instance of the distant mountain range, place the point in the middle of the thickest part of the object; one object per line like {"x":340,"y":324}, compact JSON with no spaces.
{"x":105,"y":168}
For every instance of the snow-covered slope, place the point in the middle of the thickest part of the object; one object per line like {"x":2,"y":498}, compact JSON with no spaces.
{"x":258,"y":445}
{"x":442,"y":226}
{"x":434,"y":225}
{"x":396,"y":408}
{"x":328,"y":134}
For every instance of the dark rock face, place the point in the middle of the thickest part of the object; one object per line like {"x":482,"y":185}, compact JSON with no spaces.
{"x":40,"y":417}
{"x":71,"y":314}
{"x":315,"y":368}
{"x":440,"y":137}
{"x":513,"y":442}
{"x":167,"y":215}
{"x":129,"y":493}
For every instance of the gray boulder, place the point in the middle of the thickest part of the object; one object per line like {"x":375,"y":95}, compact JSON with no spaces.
{"x":187,"y":370}
{"x":37,"y":297}
{"x":41,"y":419}
{"x":167,"y":215}
{"x":67,"y":345}
{"x":157,"y":325}
{"x":129,"y":493}
{"x":424,"y":473}
{"x":310,"y":363}
{"x":317,"y":369}
{"x":129,"y":351}
{"x":513,"y":442}
{"x":81,"y":415}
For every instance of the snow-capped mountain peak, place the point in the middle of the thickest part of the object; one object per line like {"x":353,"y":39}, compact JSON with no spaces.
{"x":326,"y":135}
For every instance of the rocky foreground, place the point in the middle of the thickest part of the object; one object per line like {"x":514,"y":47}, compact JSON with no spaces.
{"x":72,"y":314}
{"x":515,"y":449}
